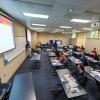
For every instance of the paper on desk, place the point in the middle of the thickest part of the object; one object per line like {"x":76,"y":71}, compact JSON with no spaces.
{"x":73,"y":84}
{"x":74,"y":90}
{"x":96,"y":73}
{"x":69,"y":78}
{"x":62,"y":79}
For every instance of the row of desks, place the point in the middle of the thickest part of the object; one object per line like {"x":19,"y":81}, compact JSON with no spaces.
{"x":62,"y":72}
{"x":71,"y":92}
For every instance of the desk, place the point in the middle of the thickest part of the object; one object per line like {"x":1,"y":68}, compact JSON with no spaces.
{"x":89,"y":70}
{"x":52,"y":54}
{"x":69,"y":93}
{"x":56,"y":63}
{"x":48,"y":50}
{"x":36,"y":58}
{"x":66,"y":53}
{"x":93,"y":61}
{"x":61,"y":50}
{"x":77,"y":53}
{"x":74,"y":60}
{"x":89,"y":54}
{"x":23,"y":88}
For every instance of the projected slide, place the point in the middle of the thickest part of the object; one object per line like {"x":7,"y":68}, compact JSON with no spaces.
{"x":6,"y":34}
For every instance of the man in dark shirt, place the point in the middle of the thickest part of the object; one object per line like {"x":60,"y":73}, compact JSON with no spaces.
{"x":80,"y":76}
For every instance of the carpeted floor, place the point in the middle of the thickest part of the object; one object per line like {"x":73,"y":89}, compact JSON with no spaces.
{"x":44,"y":80}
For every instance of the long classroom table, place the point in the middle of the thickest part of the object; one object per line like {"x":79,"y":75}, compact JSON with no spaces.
{"x":23,"y":88}
{"x":65,"y":83}
{"x":75,"y":60}
{"x":93,"y":73}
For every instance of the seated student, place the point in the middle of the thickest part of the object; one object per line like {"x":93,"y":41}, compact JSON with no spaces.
{"x":78,"y":48}
{"x":94,"y":51}
{"x":82,"y":48}
{"x":80,"y":75}
{"x":96,"y":56}
{"x":70,"y":52}
{"x":62,"y":58}
{"x":74,"y":48}
{"x":83,"y":59}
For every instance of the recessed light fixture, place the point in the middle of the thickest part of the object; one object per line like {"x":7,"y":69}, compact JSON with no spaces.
{"x":39,"y":24}
{"x":65,"y":27}
{"x":36,"y":15}
{"x":80,"y":20}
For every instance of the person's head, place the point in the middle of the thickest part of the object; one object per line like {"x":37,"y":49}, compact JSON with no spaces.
{"x":94,"y":48}
{"x":61,"y":53}
{"x":81,"y":68}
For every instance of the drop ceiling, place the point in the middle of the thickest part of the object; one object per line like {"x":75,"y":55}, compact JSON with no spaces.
{"x":57,"y":11}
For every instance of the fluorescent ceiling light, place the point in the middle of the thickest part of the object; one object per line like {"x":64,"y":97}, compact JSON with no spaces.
{"x":65,"y":27}
{"x":59,"y":30}
{"x":38,"y":28}
{"x":54,"y":31}
{"x":75,"y":31}
{"x":80,"y":20}
{"x":87,"y":29}
{"x":39,"y":24}
{"x":36,"y":15}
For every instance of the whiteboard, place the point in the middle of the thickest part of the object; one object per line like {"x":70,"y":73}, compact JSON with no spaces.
{"x":19,"y":48}
{"x":93,"y":43}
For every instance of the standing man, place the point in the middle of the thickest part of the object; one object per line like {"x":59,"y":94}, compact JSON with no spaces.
{"x":28,"y":53}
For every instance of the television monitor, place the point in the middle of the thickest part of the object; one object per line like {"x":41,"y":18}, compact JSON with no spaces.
{"x":58,"y":42}
{"x":6,"y":34}
{"x":52,"y":42}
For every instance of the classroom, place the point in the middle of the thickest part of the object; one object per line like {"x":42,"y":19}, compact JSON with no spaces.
{"x":49,"y":50}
